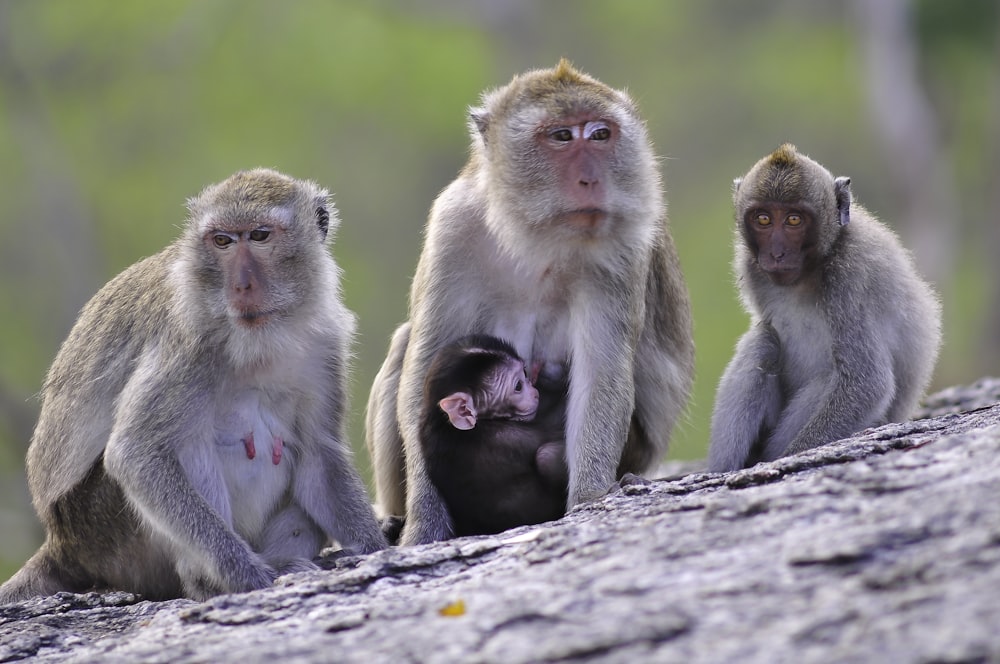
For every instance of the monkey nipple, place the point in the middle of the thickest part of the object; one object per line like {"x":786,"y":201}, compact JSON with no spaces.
{"x":276,"y":450}
{"x":249,"y":446}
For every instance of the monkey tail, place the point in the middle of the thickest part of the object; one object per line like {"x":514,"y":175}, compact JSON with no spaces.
{"x":40,"y":576}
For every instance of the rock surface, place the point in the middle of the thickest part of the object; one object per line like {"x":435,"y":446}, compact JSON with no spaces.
{"x":882,"y":547}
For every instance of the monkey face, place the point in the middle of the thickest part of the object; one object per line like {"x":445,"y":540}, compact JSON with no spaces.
{"x":507,"y":393}
{"x":522,"y":396}
{"x":244,"y":257}
{"x":782,"y":239}
{"x":791,"y":182}
{"x":578,"y":151}
{"x":565,"y":155}
{"x":253,"y":242}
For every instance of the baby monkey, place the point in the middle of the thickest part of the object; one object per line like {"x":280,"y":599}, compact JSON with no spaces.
{"x":492,"y":441}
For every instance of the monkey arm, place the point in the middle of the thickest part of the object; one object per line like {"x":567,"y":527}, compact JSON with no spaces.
{"x":441,"y":311}
{"x":857,"y":394}
{"x":602,"y":386}
{"x":157,"y":486}
{"x":155,"y":415}
{"x":664,"y":374}
{"x":332,"y":493}
{"x":748,"y":401}
{"x":327,"y":485}
{"x":427,"y":517}
{"x":382,"y":435}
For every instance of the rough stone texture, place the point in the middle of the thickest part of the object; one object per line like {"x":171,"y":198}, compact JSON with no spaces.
{"x":884,"y":547}
{"x":984,"y":392}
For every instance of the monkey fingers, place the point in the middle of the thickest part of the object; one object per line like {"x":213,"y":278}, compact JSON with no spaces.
{"x":249,"y":446}
{"x":276,"y":450}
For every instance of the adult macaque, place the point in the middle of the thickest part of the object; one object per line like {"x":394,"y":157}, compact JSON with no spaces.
{"x":495,"y":463}
{"x":553,"y":237}
{"x":192,"y":437}
{"x":844,"y":334}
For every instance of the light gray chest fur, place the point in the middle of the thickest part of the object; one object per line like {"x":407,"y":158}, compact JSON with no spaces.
{"x":806,"y":340}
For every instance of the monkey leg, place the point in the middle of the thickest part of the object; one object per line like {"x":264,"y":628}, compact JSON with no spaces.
{"x":40,"y":576}
{"x":382,"y":437}
{"x":291,"y":540}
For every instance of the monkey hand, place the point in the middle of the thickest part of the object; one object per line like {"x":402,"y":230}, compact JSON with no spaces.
{"x":251,"y":573}
{"x":550,"y":458}
{"x":631,"y":485}
{"x":631,"y":479}
{"x":392,"y":527}
{"x":296,"y":565}
{"x":240,"y":571}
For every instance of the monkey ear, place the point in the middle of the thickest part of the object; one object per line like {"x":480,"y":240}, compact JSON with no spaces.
{"x":326,"y":213}
{"x":736,"y":186}
{"x":842,"y":190}
{"x":460,"y":410}
{"x":479,"y":118}
{"x":323,"y":220}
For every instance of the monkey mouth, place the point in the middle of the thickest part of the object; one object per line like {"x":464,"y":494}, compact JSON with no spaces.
{"x":588,"y":219}
{"x":253,"y":317}
{"x":783,"y":275}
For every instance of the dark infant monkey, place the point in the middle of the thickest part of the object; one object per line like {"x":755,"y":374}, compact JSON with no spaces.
{"x":493,"y":445}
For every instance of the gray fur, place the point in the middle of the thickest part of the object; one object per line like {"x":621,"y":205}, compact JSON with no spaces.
{"x":136,"y":466}
{"x":613,"y":309}
{"x":850,"y":346}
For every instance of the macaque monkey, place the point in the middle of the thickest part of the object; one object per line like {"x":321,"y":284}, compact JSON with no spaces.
{"x":554,"y":237}
{"x":192,"y":437}
{"x":844,"y":333}
{"x":494,"y":461}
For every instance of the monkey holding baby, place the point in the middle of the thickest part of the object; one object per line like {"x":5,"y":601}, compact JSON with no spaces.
{"x":192,"y":437}
{"x":554,"y":238}
{"x":844,"y":333}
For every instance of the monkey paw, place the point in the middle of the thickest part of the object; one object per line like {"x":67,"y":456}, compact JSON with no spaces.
{"x":631,"y":485}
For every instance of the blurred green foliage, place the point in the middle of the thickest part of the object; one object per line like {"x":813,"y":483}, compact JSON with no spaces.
{"x":112,"y":114}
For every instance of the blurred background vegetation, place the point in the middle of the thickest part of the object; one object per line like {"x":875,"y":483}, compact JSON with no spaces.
{"x":113,"y":113}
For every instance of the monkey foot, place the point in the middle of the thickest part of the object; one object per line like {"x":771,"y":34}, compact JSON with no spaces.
{"x":249,"y":446}
{"x":276,"y":450}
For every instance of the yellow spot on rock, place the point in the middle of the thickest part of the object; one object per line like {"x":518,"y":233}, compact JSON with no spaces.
{"x":456,"y":608}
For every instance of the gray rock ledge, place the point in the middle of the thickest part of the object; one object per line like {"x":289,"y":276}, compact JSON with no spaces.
{"x":881,"y":547}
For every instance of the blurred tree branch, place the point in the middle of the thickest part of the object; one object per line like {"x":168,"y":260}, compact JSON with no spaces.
{"x":921,"y":172}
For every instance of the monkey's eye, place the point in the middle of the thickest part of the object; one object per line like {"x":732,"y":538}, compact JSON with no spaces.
{"x":518,"y":386}
{"x":221,"y":240}
{"x":597,"y":131}
{"x":259,"y":235}
{"x":562,"y":135}
{"x":763,"y":219}
{"x":793,"y":220}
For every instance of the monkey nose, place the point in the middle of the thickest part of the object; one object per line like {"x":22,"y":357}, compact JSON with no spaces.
{"x":244,"y":282}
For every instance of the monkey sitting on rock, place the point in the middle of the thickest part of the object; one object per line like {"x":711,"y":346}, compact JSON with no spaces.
{"x":844,"y":333}
{"x":495,"y":455}
{"x":192,"y":435}
{"x":554,"y":237}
